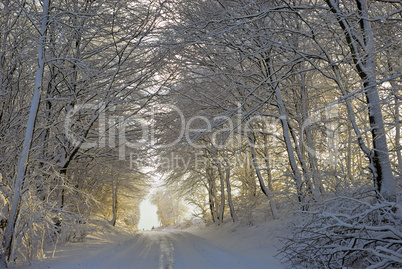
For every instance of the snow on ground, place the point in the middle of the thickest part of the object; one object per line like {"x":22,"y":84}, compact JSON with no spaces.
{"x":228,"y":246}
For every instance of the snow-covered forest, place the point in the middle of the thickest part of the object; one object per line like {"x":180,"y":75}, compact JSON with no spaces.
{"x":286,"y":112}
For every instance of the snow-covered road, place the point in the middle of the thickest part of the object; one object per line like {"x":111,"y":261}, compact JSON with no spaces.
{"x":186,"y":250}
{"x":161,"y":250}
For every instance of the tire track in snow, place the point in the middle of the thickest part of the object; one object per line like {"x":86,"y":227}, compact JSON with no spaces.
{"x":197,"y":253}
{"x":166,"y":260}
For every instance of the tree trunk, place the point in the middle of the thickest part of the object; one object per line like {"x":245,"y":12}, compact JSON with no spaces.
{"x":383,"y":172}
{"x":229,"y":191}
{"x":398,"y":146}
{"x":366,"y":69}
{"x":317,"y":187}
{"x":267,"y":164}
{"x":115,"y":184}
{"x":398,"y":135}
{"x":264,"y":188}
{"x":211,"y":193}
{"x":249,"y":175}
{"x":289,"y":147}
{"x":222,"y":183}
{"x":287,"y":132}
{"x":9,"y":234}
{"x":43,"y":191}
{"x":349,"y":156}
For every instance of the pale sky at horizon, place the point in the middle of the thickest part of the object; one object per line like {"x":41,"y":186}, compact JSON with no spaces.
{"x":148,"y":217}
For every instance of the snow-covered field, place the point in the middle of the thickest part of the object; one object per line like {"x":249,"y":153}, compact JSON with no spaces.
{"x":229,"y":246}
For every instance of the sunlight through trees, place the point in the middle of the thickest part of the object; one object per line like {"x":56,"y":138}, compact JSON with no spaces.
{"x":250,"y":110}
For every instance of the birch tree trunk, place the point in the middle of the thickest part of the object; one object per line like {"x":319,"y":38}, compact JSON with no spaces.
{"x":10,"y":231}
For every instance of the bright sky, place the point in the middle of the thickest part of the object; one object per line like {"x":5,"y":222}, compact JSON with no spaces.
{"x":148,"y":218}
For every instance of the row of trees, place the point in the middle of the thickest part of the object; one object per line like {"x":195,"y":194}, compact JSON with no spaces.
{"x":280,"y":105}
{"x":300,"y":98}
{"x":72,"y":73}
{"x":287,"y":105}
